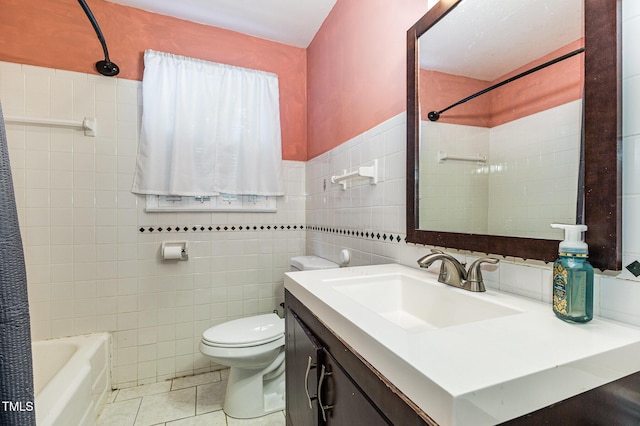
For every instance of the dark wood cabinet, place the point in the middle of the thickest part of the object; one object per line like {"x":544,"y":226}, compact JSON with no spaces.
{"x":302,"y":351}
{"x":319,"y":391}
{"x":341,"y":402}
{"x":328,"y":384}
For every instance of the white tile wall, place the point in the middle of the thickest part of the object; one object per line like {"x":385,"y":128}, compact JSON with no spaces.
{"x":91,"y":269}
{"x":617,"y":296}
{"x":362,"y":207}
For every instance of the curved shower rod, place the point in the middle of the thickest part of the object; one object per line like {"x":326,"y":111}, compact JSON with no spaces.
{"x":105,"y":67}
{"x":435,"y":115}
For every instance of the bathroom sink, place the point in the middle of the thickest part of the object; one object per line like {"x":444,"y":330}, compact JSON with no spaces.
{"x":463,"y":357}
{"x":418,"y":305}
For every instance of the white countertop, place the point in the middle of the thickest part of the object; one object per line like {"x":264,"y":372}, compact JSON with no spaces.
{"x":478,"y":373}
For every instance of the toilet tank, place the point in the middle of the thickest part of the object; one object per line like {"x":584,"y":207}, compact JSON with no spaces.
{"x":309,"y":263}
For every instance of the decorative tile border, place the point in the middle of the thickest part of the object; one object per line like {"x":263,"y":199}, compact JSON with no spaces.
{"x":218,"y":228}
{"x":371,"y":235}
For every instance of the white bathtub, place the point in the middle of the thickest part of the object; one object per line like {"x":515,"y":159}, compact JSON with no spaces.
{"x":71,"y":379}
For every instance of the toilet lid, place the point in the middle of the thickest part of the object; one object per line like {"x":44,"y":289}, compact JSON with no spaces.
{"x":310,"y":263}
{"x":250,"y":331}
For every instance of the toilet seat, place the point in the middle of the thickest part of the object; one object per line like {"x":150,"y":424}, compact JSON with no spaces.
{"x":245,"y":332}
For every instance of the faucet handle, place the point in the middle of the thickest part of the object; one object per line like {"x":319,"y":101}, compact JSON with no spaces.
{"x":474,"y":276}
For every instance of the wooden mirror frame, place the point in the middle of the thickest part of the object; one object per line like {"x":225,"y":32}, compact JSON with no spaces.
{"x":602,"y":147}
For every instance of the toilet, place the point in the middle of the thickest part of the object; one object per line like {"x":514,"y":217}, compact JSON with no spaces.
{"x":253,"y":348}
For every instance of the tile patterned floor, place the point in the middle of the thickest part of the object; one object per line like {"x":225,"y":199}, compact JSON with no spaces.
{"x":185,"y":401}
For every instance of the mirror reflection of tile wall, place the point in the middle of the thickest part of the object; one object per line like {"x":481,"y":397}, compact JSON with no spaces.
{"x":536,"y":173}
{"x":453,"y":194}
{"x":529,"y":179}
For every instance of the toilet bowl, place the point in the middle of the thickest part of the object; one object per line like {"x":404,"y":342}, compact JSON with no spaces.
{"x":253,"y":348}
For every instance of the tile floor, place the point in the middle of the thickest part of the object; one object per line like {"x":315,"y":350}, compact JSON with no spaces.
{"x":185,"y":401}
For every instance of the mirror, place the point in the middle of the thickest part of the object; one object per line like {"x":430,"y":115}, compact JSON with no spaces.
{"x":505,"y":162}
{"x":490,"y":173}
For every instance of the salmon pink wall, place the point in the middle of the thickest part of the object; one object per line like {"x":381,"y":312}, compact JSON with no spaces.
{"x":550,"y":87}
{"x":439,"y":90}
{"x":356,"y":68}
{"x":57,"y":34}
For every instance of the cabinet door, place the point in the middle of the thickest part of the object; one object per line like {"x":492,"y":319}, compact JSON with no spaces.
{"x":342,"y":402}
{"x":302,"y":357}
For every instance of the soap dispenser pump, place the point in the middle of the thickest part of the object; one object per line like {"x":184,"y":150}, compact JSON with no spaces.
{"x":573,"y":277}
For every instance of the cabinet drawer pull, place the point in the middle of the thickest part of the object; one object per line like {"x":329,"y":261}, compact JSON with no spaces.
{"x":306,"y":380}
{"x":323,"y":374}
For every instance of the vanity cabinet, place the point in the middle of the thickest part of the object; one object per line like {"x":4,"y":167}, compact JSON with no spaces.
{"x":324,"y":375}
{"x":319,"y":391}
{"x":359,"y":395}
{"x":343,"y":403}
{"x":303,"y":351}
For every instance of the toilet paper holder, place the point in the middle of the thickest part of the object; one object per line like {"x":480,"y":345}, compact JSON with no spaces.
{"x":175,"y":250}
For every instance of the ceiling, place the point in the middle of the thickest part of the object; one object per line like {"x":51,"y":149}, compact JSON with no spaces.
{"x":486,"y":39}
{"x":291,"y":22}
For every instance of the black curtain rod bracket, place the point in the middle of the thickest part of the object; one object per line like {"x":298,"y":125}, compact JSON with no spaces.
{"x":105,"y":67}
{"x":435,"y":115}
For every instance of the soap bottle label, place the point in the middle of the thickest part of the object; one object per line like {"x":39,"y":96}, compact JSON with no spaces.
{"x":560,"y":289}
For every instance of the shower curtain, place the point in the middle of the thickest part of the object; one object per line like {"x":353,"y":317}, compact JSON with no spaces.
{"x":16,"y":373}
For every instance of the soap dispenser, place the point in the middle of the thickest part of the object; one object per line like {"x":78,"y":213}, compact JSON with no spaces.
{"x":573,"y":277}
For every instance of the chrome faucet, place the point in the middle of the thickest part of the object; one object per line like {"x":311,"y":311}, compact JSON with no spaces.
{"x":453,"y":273}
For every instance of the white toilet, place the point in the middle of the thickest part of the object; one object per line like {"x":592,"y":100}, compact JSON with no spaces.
{"x":253,"y":348}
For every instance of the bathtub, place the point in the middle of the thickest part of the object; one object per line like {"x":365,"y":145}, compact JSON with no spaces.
{"x":71,"y":379}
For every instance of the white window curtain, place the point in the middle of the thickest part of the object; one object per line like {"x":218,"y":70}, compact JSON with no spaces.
{"x":207,"y":128}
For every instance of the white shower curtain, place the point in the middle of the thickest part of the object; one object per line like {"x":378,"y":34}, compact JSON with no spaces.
{"x":208,"y":128}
